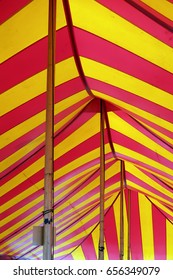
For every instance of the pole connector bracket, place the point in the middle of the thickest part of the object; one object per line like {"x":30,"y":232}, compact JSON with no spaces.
{"x":48,"y":221}
{"x":101,"y":248}
{"x":47,"y":211}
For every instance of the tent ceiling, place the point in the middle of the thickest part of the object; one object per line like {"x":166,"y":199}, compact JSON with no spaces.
{"x":119,"y":52}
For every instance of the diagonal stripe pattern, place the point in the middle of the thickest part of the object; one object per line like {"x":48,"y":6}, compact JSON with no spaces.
{"x":120,"y":52}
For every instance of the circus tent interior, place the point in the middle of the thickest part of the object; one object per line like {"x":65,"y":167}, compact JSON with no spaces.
{"x":112,"y":63}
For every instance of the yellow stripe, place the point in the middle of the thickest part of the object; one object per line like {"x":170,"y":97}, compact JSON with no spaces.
{"x":31,"y":123}
{"x":78,"y":254}
{"x":121,"y":32}
{"x":37,"y":187}
{"x":34,"y":202}
{"x":36,"y":85}
{"x":81,"y":223}
{"x":128,"y":130}
{"x":116,"y":208}
{"x":162,"y":207}
{"x":125,"y":229}
{"x":158,"y":133}
{"x":142,"y":176}
{"x":163,"y":7}
{"x":95,"y":237}
{"x":20,"y":235}
{"x":143,"y":114}
{"x":169,"y":243}
{"x":146,"y":227}
{"x":65,"y":252}
{"x":106,"y":257}
{"x":161,"y":177}
{"x":82,"y":204}
{"x":79,"y":212}
{"x":27,"y":219}
{"x":26,"y":27}
{"x":20,"y":153}
{"x":27,"y":241}
{"x":126,"y":82}
{"x":143,"y":159}
{"x":31,"y":190}
{"x":150,"y":194}
{"x":67,"y":221}
{"x":76,"y":237}
{"x":74,"y":139}
{"x":23,"y":209}
{"x":95,"y":233}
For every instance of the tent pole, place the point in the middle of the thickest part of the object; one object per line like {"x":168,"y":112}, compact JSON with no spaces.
{"x":102,"y":182}
{"x":122,"y":212}
{"x":48,"y":241}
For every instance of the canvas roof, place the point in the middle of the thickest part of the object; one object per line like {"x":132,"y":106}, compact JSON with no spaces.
{"x":119,"y":52}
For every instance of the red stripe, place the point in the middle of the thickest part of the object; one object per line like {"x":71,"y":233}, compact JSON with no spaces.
{"x":19,"y":239}
{"x":142,"y":129}
{"x":107,"y":53}
{"x":74,"y":45}
{"x":22,"y":113}
{"x":31,"y":60}
{"x":158,"y":128}
{"x":37,"y":104}
{"x":135,"y":228}
{"x":18,"y":246}
{"x":139,"y":19}
{"x":68,"y":257}
{"x":167,"y":187}
{"x":145,"y":186}
{"x":90,"y":194}
{"x":88,"y":248}
{"x":133,"y":145}
{"x":25,"y":225}
{"x":21,"y":217}
{"x":21,"y":203}
{"x":84,"y":147}
{"x":9,"y":8}
{"x":22,"y":167}
{"x":145,"y":166}
{"x":34,"y":179}
{"x":78,"y":231}
{"x":33,"y":134}
{"x":69,"y":246}
{"x":150,"y":12}
{"x":132,"y":99}
{"x":111,"y":235}
{"x":159,"y":231}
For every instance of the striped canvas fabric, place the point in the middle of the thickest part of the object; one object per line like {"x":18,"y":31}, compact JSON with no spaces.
{"x":120,"y":52}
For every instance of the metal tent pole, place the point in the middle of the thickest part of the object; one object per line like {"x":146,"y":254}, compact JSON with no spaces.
{"x":122,"y":212}
{"x":102,"y":182}
{"x":48,"y":240}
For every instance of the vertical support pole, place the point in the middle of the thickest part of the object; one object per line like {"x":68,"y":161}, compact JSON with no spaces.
{"x":122,"y":212}
{"x":102,"y":182}
{"x":48,"y":243}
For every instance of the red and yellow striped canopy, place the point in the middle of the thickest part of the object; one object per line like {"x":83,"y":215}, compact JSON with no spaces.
{"x":111,"y":50}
